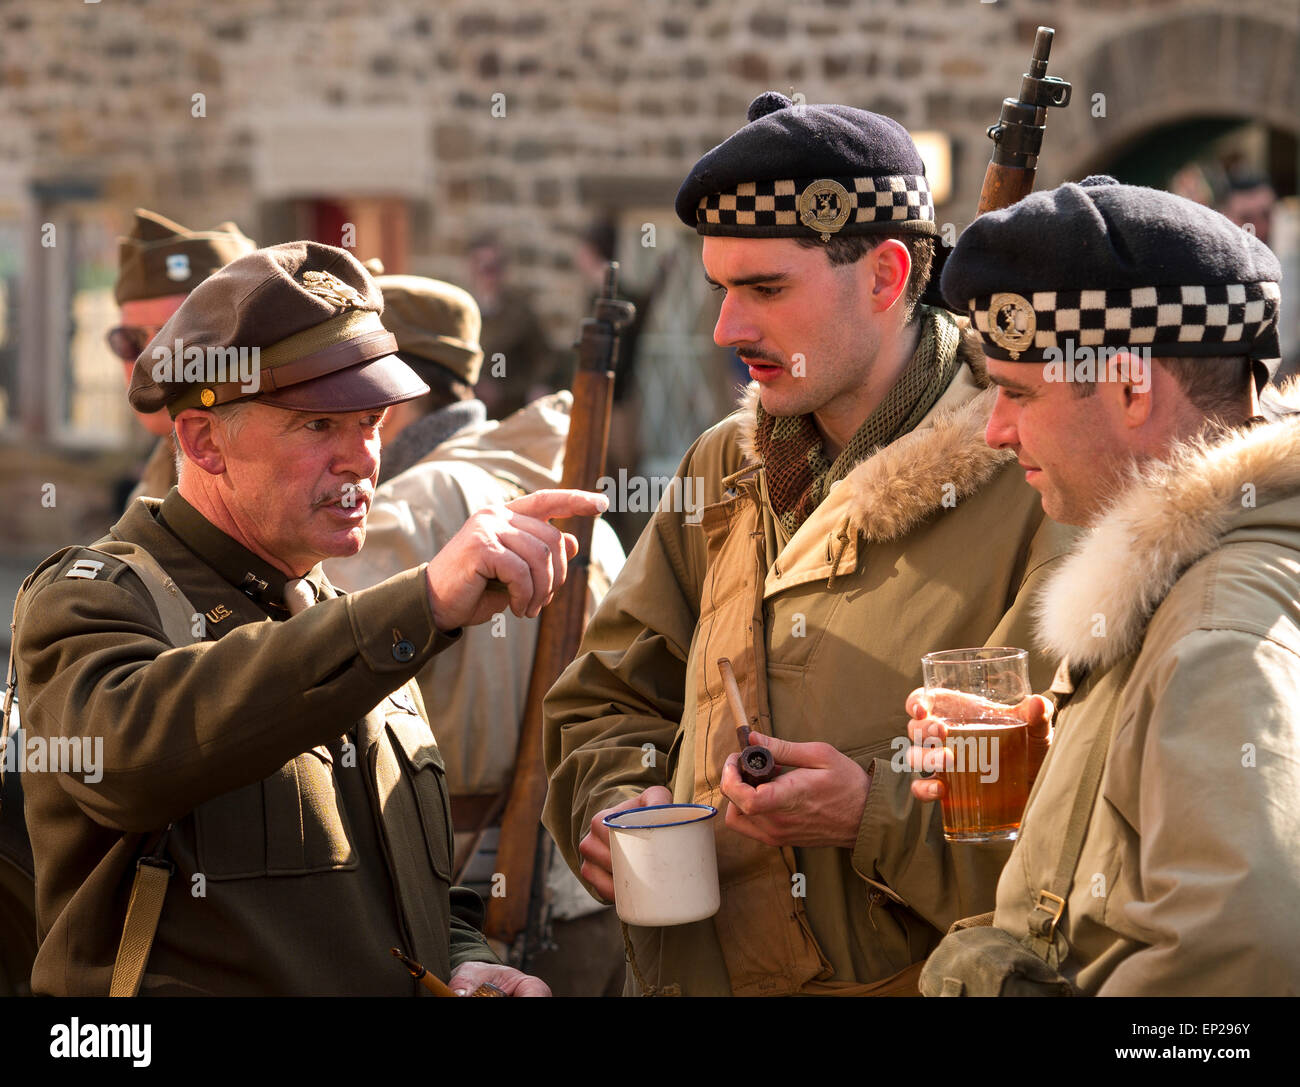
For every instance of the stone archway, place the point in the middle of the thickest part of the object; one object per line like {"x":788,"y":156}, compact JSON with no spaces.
{"x":1169,"y":69}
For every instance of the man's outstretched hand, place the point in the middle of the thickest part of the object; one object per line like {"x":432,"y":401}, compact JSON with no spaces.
{"x":513,"y":546}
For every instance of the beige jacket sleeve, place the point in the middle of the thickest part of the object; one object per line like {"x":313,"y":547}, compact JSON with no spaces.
{"x":625,"y":689}
{"x":1217,"y":818}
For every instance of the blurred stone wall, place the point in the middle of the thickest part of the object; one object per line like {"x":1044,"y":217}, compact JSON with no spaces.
{"x":606,"y":102}
{"x":531,"y":120}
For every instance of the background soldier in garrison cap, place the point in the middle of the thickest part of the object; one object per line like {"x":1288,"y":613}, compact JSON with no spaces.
{"x":259,"y":731}
{"x":442,"y":461}
{"x":159,"y":263}
{"x":854,"y":520}
{"x":1177,"y":616}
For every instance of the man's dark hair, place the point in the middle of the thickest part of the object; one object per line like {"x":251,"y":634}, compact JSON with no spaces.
{"x":1215,"y":385}
{"x":853,"y":248}
{"x":445,"y":387}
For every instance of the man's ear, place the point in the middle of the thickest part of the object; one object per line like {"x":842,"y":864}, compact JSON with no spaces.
{"x":202,"y":440}
{"x":1128,"y":375}
{"x":889,"y":265}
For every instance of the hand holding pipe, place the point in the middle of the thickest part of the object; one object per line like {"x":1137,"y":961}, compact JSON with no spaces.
{"x":756,"y":763}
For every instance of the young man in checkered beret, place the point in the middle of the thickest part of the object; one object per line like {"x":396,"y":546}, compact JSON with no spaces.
{"x":853,"y":520}
{"x":1157,"y":854}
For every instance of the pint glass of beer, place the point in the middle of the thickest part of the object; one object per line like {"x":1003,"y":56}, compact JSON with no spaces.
{"x":974,"y":692}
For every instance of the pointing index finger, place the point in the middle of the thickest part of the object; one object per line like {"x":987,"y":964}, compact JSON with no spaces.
{"x":545,"y":505}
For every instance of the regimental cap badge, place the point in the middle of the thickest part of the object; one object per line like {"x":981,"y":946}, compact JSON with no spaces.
{"x":331,"y":289}
{"x":178,"y":267}
{"x":824,"y":206}
{"x":1012,"y":323}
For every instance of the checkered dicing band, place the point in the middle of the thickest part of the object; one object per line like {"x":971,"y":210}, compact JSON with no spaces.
{"x":765,"y":205}
{"x":1190,"y":320}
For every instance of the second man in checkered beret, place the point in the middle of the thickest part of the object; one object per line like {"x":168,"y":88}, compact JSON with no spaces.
{"x":853,"y":519}
{"x":1157,"y":855}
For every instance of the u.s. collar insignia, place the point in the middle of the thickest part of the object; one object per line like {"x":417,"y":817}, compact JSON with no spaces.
{"x":1012,"y":323}
{"x":824,"y":206}
{"x":331,"y":289}
{"x":218,"y":613}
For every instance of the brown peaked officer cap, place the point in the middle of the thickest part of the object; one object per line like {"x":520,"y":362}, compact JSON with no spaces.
{"x":160,"y":258}
{"x":303,"y":316}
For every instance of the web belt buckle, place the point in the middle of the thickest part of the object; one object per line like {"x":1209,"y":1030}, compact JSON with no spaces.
{"x":1051,"y":904}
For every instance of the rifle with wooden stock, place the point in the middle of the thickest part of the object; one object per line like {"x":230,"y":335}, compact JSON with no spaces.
{"x":514,"y":917}
{"x":1018,"y":135}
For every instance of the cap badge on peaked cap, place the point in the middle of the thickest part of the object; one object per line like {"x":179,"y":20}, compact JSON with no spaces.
{"x":330,"y":288}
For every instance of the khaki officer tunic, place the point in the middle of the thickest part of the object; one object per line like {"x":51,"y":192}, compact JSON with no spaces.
{"x":310,"y":822}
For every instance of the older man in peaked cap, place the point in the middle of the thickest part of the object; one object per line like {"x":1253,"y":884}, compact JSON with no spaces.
{"x":263,"y":742}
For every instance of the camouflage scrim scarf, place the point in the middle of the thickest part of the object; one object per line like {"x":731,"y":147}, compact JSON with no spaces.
{"x":799,"y":475}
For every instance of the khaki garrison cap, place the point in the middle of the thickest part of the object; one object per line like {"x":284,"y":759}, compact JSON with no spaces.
{"x":436,"y":321}
{"x":295,"y":325}
{"x":160,"y":258}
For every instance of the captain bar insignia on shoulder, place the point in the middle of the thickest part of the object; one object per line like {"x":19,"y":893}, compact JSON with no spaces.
{"x":87,"y":568}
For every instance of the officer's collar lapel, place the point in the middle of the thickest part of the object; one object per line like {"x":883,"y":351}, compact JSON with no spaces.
{"x":223,"y":607}
{"x":253,"y":576}
{"x":1167,"y":516}
{"x":212,"y":566}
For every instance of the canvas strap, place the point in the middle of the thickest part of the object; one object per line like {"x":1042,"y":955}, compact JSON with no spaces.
{"x":152,"y":872}
{"x":1050,"y":906}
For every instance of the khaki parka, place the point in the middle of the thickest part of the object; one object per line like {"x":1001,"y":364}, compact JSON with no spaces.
{"x":934,"y":542}
{"x":1185,"y":594}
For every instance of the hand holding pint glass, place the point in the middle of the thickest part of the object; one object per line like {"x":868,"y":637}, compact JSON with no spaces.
{"x":977,"y":738}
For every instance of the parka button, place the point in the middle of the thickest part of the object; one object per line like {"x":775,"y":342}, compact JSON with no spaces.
{"x":403,"y":651}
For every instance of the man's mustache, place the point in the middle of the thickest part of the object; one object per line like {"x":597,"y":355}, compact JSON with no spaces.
{"x":758,"y":353}
{"x":350,"y":494}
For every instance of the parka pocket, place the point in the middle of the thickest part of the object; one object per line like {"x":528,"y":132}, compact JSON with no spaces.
{"x":412,"y":737}
{"x":292,"y":823}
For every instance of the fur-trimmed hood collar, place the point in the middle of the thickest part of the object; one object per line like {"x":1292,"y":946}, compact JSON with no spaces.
{"x":1168,"y":515}
{"x":905,"y":482}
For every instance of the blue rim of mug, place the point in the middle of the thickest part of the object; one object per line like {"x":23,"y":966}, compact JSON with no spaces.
{"x":708,"y":809}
